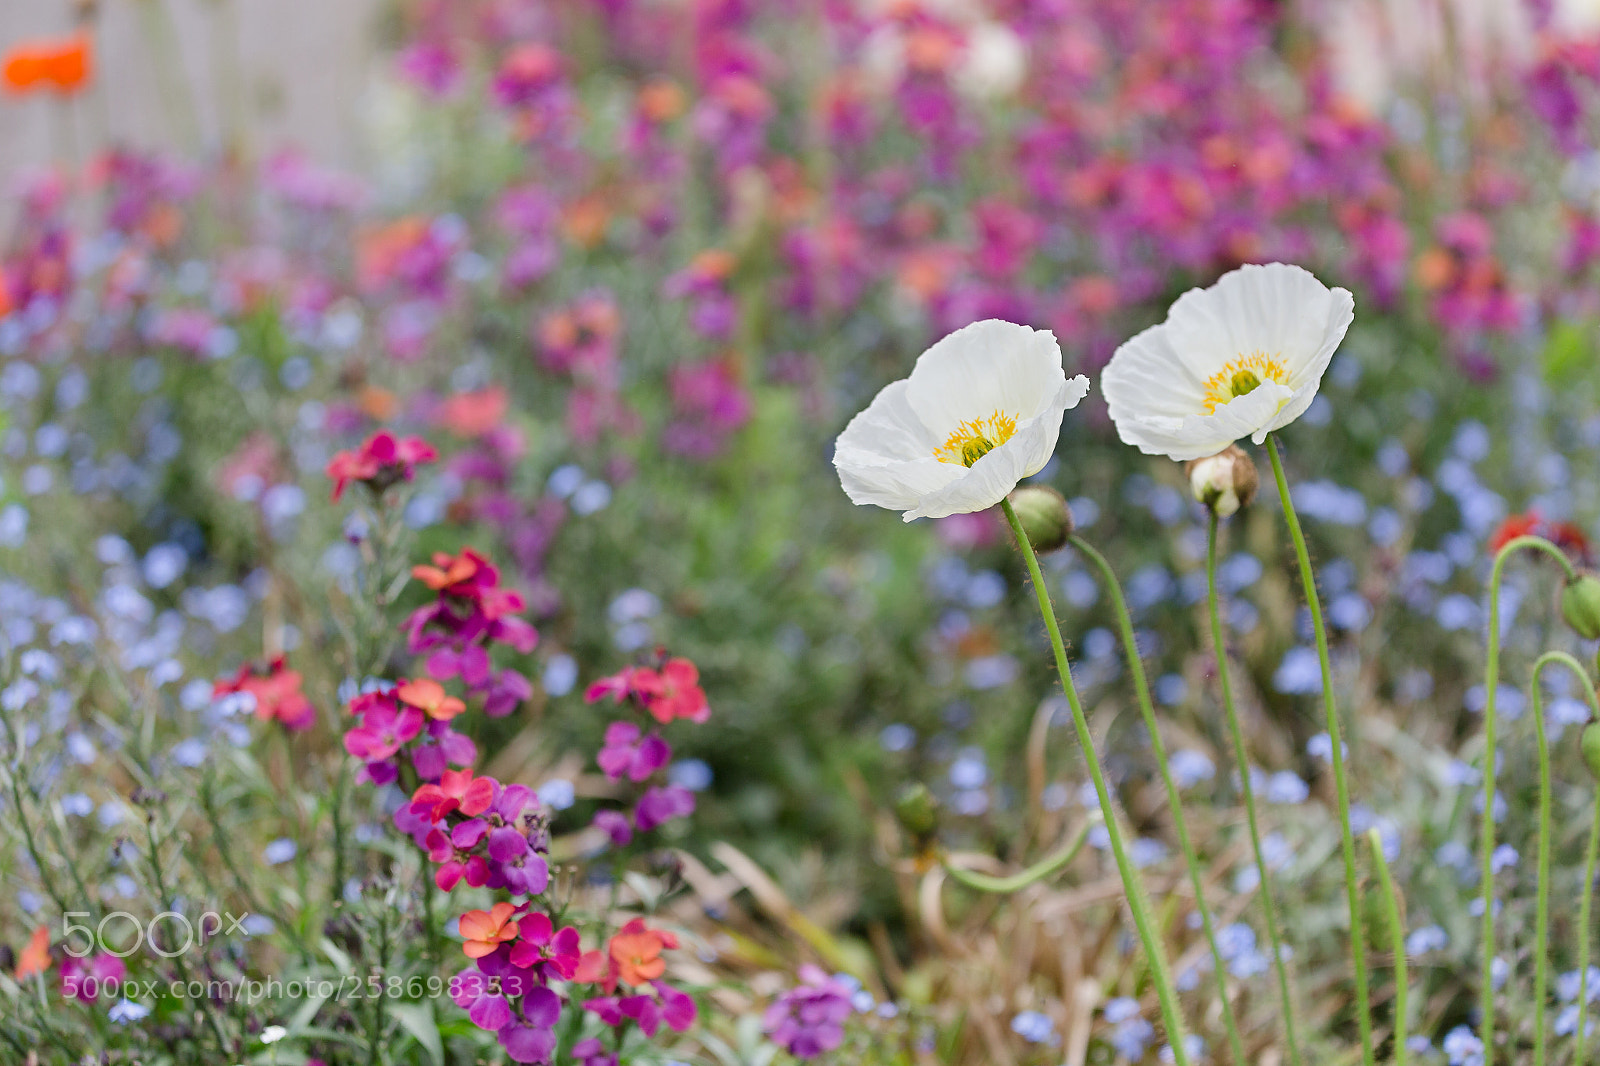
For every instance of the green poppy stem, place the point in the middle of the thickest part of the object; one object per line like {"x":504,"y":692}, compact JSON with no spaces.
{"x":1141,"y":687}
{"x":1131,"y":883}
{"x":1397,"y":941}
{"x":1347,"y":843}
{"x":1541,"y":951}
{"x":1585,"y":934}
{"x":1241,"y":758}
{"x":1491,"y":685}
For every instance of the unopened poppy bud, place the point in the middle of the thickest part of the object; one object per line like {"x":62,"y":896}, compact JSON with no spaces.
{"x":1589,"y":743}
{"x":1044,"y":515}
{"x":1224,"y":482}
{"x":917,"y":810}
{"x":1580,"y":605}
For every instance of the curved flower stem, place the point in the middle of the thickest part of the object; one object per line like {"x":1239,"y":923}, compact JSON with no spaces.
{"x":1141,"y":687}
{"x":1241,"y":758}
{"x":1033,"y":874}
{"x":1491,"y":684}
{"x":1347,"y":843}
{"x":1584,"y":932}
{"x":1130,"y":878}
{"x":1541,"y":951}
{"x":1397,"y":939}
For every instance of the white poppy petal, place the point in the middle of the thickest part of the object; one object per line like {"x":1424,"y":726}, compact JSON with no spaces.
{"x":992,"y":394}
{"x":889,"y":428}
{"x":897,"y":485}
{"x":1173,"y":389}
{"x":982,"y":368}
{"x":992,"y":477}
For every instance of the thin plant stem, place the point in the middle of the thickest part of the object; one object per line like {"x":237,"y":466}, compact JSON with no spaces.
{"x":1397,"y":940}
{"x":1141,"y":687}
{"x":1241,"y":756}
{"x":1131,"y":883}
{"x":1491,"y":684}
{"x":1541,"y":975}
{"x":1584,"y":932}
{"x":1541,"y":951}
{"x":1347,"y":843}
{"x":1040,"y":870}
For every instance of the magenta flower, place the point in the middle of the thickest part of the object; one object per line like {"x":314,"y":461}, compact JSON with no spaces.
{"x":546,"y":951}
{"x":481,"y":998}
{"x":532,"y":1038}
{"x":626,"y":754}
{"x":660,"y":805}
{"x":616,"y":826}
{"x":808,"y":1020}
{"x":385,"y":726}
{"x":87,"y":979}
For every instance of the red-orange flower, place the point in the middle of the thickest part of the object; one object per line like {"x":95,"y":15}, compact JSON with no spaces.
{"x":35,"y":958}
{"x":636,"y":952}
{"x":455,"y":575}
{"x":457,"y":790}
{"x":485,"y":931}
{"x":62,"y":65}
{"x":1518,"y":525}
{"x":430,"y":697}
{"x":472,"y":414}
{"x":381,"y":462}
{"x":673,"y":692}
{"x":276,"y":690}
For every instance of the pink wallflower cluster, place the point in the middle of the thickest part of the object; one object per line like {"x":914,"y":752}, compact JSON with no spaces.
{"x":709,"y":405}
{"x":471,"y":614}
{"x":663,"y":693}
{"x":490,"y":834}
{"x":808,"y":1020}
{"x":412,"y":719}
{"x":380,"y":462}
{"x":582,"y":342}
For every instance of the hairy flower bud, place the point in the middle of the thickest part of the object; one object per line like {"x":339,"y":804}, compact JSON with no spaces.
{"x":1224,"y":482}
{"x":1044,"y":515}
{"x":1580,"y":605}
{"x":1589,"y":744}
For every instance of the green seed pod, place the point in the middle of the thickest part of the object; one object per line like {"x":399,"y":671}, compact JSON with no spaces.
{"x":917,"y":810}
{"x":1224,"y":482}
{"x":1580,"y":605}
{"x":1589,"y":743}
{"x":1044,"y":515}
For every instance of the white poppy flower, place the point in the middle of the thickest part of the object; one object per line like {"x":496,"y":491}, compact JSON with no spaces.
{"x":1241,"y":358}
{"x":981,"y":411}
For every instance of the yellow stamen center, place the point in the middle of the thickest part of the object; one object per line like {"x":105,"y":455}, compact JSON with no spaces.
{"x":973,"y":440}
{"x":1241,"y":377}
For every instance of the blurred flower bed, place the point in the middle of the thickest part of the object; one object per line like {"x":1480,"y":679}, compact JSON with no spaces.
{"x":322,"y":491}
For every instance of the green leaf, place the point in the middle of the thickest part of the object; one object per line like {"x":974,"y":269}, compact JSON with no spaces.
{"x":417,"y":1019}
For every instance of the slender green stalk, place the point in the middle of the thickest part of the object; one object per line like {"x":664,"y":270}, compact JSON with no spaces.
{"x":1347,"y":843}
{"x":1033,"y":874}
{"x":1141,"y":687}
{"x":167,"y":900}
{"x":1584,"y":932}
{"x":1397,"y":940}
{"x":1130,"y":877}
{"x":1241,"y":757}
{"x":1541,"y":951}
{"x":1491,"y":685}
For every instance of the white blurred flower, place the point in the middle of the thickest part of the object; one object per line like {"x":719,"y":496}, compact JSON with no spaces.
{"x":994,"y":65}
